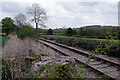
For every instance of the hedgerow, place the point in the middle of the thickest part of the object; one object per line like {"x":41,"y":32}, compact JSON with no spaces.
{"x":89,"y":44}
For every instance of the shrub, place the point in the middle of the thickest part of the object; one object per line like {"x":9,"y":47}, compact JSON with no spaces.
{"x":25,"y":31}
{"x":69,"y":32}
{"x":60,"y":71}
{"x":50,"y":32}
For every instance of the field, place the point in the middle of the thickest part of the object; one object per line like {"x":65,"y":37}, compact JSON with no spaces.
{"x":53,"y":33}
{"x":76,"y":36}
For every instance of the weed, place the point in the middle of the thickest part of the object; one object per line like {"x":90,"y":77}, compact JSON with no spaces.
{"x":44,"y":53}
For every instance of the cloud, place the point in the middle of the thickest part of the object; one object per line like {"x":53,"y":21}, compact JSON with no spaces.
{"x":67,"y":12}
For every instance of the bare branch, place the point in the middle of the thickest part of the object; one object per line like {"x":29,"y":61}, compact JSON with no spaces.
{"x":20,"y":19}
{"x":39,"y":14}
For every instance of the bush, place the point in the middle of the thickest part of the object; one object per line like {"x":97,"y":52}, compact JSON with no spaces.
{"x":114,"y":52}
{"x":60,"y":71}
{"x":50,"y":32}
{"x":69,"y":32}
{"x":25,"y":31}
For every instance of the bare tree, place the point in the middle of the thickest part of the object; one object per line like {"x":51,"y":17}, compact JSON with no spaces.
{"x":20,"y":20}
{"x":38,"y":14}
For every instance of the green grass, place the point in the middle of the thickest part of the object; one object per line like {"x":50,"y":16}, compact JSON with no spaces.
{"x":58,"y":33}
{"x":53,"y":33}
{"x":44,"y":53}
{"x":43,"y":33}
{"x":76,"y":36}
{"x":3,"y":39}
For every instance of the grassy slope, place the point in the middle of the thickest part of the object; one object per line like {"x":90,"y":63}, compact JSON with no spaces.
{"x":3,"y":39}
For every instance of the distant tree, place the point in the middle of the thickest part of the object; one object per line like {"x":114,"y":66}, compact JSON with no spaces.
{"x":93,"y":32}
{"x":39,"y":15}
{"x":0,"y":24}
{"x":69,"y":32}
{"x":82,"y":32}
{"x":7,"y":25}
{"x":0,"y":27}
{"x":20,"y":20}
{"x":119,"y":35}
{"x":74,"y":32}
{"x":50,"y":32}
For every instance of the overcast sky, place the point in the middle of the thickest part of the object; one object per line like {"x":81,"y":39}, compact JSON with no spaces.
{"x":68,"y":13}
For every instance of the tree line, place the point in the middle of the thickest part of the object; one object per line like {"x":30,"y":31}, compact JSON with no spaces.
{"x":88,"y":32}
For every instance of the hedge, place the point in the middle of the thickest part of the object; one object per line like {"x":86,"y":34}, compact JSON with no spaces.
{"x":86,"y":44}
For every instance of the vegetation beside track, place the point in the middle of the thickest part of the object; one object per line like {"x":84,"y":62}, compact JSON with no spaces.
{"x":3,"y":39}
{"x":90,"y":44}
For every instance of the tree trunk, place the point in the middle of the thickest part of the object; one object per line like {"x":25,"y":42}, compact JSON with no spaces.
{"x":36,"y":27}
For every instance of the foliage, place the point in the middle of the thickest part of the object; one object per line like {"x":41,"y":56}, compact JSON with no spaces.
{"x":89,"y":32}
{"x":43,"y":53}
{"x":6,"y":72}
{"x":25,"y":31}
{"x":109,"y":47}
{"x":96,"y":32}
{"x":37,"y":74}
{"x":50,"y":32}
{"x":36,"y":36}
{"x":74,"y":32}
{"x":7,"y":25}
{"x":69,"y":32}
{"x":14,"y":68}
{"x":75,"y":42}
{"x":61,"y":71}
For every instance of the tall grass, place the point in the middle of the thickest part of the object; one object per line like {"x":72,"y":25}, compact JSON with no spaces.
{"x":14,"y":52}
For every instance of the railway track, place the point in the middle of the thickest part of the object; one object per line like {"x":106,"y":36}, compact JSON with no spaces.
{"x":102,"y":65}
